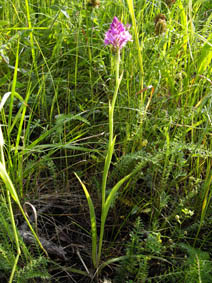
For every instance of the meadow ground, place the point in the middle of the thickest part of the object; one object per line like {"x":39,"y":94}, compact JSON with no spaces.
{"x":105,"y":160}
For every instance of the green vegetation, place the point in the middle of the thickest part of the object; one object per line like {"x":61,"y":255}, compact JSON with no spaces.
{"x":105,"y":170}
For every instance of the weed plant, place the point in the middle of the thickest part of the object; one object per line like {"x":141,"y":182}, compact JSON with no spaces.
{"x":30,"y":267}
{"x":56,"y":78}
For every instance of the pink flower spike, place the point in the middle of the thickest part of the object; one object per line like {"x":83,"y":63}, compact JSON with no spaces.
{"x":117,"y":35}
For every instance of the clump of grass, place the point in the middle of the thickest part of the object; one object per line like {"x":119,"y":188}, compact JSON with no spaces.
{"x":28,"y":265}
{"x":58,"y":77}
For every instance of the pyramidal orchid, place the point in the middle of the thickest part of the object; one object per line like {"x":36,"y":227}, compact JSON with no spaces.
{"x":117,"y":35}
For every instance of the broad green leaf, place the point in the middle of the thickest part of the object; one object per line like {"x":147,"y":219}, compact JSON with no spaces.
{"x":92,"y":220}
{"x":205,"y":56}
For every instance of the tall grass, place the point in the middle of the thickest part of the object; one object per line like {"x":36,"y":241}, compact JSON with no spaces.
{"x":56,"y":78}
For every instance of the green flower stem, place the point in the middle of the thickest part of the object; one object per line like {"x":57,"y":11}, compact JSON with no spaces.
{"x":112,"y":106}
{"x":111,"y":139}
{"x":108,"y":158}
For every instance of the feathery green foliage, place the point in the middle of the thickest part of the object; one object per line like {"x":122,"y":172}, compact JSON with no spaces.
{"x":56,"y":78}
{"x":198,"y":265}
{"x":29,"y":267}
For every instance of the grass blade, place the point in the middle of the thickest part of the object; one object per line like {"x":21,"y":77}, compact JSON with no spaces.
{"x":92,"y":220}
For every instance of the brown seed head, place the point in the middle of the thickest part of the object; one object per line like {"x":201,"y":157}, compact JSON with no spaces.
{"x":160,"y":17}
{"x":170,"y":2}
{"x":94,"y":3}
{"x":160,"y":24}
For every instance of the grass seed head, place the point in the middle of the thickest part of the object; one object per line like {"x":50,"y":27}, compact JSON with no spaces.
{"x":160,"y":24}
